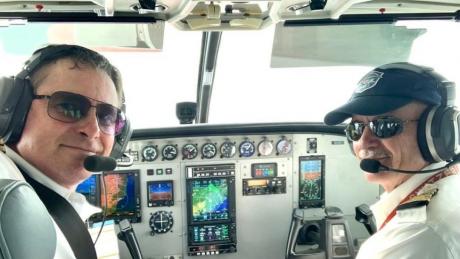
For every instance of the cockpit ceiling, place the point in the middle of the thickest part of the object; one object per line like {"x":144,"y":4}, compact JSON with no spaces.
{"x":220,"y":15}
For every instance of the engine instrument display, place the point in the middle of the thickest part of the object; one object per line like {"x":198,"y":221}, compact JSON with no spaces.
{"x":228,"y":149}
{"x":169,"y":152}
{"x":189,"y":151}
{"x":210,"y":233}
{"x":209,"y":150}
{"x":247,"y":148}
{"x":149,"y":153}
{"x":311,"y":182}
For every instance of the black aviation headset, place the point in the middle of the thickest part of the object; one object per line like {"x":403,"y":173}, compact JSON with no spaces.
{"x":438,"y":127}
{"x":16,"y":95}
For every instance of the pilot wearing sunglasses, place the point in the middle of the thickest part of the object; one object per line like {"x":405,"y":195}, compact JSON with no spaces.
{"x":417,"y":215}
{"x":74,"y":113}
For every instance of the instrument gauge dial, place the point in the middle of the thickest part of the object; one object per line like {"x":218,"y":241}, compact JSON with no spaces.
{"x":228,"y":149}
{"x":283,"y":147}
{"x":209,"y":150}
{"x":161,"y":222}
{"x":149,"y":153}
{"x":169,"y":152}
{"x":265,"y":147}
{"x":247,"y":148}
{"x":189,"y":151}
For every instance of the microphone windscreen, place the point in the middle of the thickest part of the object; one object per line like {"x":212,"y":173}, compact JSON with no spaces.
{"x":99,"y":163}
{"x":370,"y":165}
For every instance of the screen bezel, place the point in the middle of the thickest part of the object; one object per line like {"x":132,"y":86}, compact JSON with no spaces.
{"x":318,"y":203}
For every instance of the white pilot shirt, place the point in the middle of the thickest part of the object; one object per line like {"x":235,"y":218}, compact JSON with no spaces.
{"x":428,"y":231}
{"x":77,"y":200}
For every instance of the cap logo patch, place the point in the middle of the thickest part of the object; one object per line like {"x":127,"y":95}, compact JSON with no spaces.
{"x":368,"y":81}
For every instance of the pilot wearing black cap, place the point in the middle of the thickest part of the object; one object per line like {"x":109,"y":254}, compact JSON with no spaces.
{"x":404,"y":129}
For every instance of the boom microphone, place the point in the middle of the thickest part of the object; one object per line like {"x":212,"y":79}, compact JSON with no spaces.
{"x":99,"y":163}
{"x":374,"y":166}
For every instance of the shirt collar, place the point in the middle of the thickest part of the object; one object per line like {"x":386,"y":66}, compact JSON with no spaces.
{"x":78,"y":201}
{"x":390,"y":200}
{"x":38,"y":176}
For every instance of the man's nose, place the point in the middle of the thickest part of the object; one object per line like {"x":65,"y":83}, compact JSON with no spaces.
{"x":89,"y":125}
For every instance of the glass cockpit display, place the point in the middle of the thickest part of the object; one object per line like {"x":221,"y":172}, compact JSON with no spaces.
{"x":160,"y":193}
{"x":209,"y":199}
{"x":90,"y":189}
{"x":121,"y":200}
{"x":211,"y":212}
{"x":311,"y":182}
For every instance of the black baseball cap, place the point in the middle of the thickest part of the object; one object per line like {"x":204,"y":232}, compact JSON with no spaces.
{"x":391,"y":86}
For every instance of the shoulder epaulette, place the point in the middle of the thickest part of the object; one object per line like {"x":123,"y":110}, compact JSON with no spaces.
{"x":419,"y":200}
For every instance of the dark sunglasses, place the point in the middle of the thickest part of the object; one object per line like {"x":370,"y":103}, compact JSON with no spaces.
{"x":70,"y":107}
{"x":382,"y":127}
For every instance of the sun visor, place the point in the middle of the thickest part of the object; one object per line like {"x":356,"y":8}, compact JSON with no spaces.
{"x":97,"y":36}
{"x":346,"y":44}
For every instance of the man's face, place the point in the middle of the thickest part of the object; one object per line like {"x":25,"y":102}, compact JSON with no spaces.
{"x":399,"y":152}
{"x":57,"y":148}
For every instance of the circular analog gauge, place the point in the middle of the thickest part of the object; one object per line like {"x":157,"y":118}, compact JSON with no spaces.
{"x":265,"y":147}
{"x":149,"y":153}
{"x":169,"y":152}
{"x":247,"y":148}
{"x":161,"y":222}
{"x":228,"y":149}
{"x":209,"y":150}
{"x":189,"y":151}
{"x":284,"y":147}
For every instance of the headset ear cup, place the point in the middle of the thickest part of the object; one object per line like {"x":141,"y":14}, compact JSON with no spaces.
{"x":444,"y":132}
{"x":18,"y":96}
{"x":437,"y":133}
{"x":422,"y":138}
{"x":121,"y":141}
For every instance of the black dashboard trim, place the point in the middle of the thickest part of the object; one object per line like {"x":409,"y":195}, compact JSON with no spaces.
{"x":198,"y":130}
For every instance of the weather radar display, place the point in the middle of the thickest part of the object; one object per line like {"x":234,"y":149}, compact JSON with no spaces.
{"x":210,"y":200}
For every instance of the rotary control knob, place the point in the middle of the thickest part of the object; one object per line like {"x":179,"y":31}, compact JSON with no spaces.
{"x":161,"y":222}
{"x":149,"y":153}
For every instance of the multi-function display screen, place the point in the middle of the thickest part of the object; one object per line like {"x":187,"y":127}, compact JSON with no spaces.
{"x":311,"y":182}
{"x":210,"y":199}
{"x":120,"y":200}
